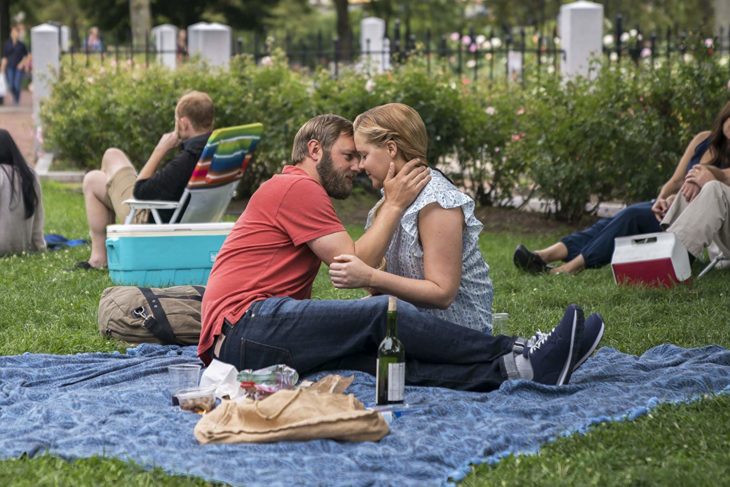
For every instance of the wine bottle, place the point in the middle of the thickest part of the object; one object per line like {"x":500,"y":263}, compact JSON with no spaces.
{"x":391,"y":365}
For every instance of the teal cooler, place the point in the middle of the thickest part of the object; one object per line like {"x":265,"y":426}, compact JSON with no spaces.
{"x":163,"y":255}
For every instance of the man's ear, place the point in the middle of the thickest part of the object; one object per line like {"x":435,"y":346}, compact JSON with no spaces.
{"x":314,"y":150}
{"x":184,"y":125}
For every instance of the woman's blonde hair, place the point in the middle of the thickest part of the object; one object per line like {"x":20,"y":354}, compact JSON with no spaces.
{"x":397,"y":122}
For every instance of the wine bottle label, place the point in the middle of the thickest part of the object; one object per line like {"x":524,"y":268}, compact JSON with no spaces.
{"x":396,"y":381}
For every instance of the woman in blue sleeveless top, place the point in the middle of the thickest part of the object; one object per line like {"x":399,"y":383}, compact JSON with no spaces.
{"x":593,"y":246}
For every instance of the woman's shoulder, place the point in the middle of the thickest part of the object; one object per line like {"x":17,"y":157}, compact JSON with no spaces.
{"x":440,"y":191}
{"x":700,"y":137}
{"x":440,"y":183}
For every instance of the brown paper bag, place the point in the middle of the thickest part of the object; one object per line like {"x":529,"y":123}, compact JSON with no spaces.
{"x":292,"y":415}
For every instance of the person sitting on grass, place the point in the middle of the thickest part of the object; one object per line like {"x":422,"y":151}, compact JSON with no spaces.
{"x":106,"y":190}
{"x":433,"y":259}
{"x":704,"y":218}
{"x":593,"y":246}
{"x":21,"y":204}
{"x":257,"y":309}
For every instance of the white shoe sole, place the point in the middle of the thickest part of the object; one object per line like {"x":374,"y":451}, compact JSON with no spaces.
{"x":566,"y":367}
{"x":592,"y":348}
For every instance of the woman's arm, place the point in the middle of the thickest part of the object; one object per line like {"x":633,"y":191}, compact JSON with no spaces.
{"x":440,"y":231}
{"x":401,"y":190}
{"x":703,"y":174}
{"x":661,"y":205}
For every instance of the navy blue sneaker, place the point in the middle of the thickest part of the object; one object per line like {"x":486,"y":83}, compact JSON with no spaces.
{"x":553,"y":355}
{"x":592,"y":333}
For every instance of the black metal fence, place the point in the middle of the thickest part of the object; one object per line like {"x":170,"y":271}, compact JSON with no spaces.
{"x":672,"y":45}
{"x":504,"y":55}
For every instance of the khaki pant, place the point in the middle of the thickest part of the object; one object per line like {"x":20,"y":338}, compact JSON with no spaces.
{"x":119,"y":188}
{"x":703,"y":221}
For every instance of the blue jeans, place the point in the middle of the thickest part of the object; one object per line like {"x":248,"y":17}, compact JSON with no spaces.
{"x":14,"y":77}
{"x":596,"y":243}
{"x":312,"y":335}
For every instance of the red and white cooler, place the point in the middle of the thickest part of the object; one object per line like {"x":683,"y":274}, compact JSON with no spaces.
{"x":652,"y":259}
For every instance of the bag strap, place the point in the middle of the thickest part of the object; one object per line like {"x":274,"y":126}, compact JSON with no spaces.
{"x":158,"y":324}
{"x":200,"y":289}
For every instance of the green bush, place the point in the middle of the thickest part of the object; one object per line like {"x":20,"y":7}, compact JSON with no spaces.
{"x":617,"y":137}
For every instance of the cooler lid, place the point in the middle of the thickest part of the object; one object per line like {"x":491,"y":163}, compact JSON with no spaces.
{"x":155,"y":230}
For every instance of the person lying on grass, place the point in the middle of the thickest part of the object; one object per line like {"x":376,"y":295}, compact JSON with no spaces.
{"x":593,"y":246}
{"x":257,"y":309}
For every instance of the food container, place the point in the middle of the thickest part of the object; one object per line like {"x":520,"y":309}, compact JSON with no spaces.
{"x":198,"y":400}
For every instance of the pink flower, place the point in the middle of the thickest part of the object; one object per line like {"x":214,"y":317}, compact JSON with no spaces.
{"x":709,"y":43}
{"x":490,"y":110}
{"x":466,"y":40}
{"x":454,"y":36}
{"x":646,"y":52}
{"x":520,"y":111}
{"x":473,"y":48}
{"x":516,"y":137}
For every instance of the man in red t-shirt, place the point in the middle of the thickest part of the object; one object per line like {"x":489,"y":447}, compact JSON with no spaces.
{"x":257,"y":309}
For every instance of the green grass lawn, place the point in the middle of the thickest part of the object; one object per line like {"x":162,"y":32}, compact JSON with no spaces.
{"x":47,"y":309}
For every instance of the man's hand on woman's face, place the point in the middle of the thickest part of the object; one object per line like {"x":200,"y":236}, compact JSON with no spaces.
{"x":403,"y":188}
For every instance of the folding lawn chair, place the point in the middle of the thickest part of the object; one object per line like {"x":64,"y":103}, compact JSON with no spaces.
{"x":222,"y":164}
{"x":716,"y":257}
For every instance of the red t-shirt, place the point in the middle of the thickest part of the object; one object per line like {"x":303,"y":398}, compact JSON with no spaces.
{"x":266,"y":253}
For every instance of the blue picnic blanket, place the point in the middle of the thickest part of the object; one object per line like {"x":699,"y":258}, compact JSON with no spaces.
{"x":116,"y":405}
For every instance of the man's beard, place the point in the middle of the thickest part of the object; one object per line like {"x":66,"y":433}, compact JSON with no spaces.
{"x":337,"y":185}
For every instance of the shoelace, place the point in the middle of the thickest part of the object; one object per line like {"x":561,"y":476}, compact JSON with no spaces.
{"x":535,"y":342}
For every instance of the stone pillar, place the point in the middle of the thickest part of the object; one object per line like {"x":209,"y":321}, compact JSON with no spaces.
{"x":165,"y":38}
{"x":46,"y":62}
{"x":722,"y":16}
{"x":65,"y":38}
{"x":581,"y":34}
{"x":212,"y":42}
{"x":375,"y":48}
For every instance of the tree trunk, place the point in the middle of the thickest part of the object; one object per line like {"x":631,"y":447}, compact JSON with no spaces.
{"x":344,"y":31}
{"x":139,"y":18}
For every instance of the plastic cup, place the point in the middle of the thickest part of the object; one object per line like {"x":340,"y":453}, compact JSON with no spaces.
{"x":500,"y":324}
{"x":182,"y":376}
